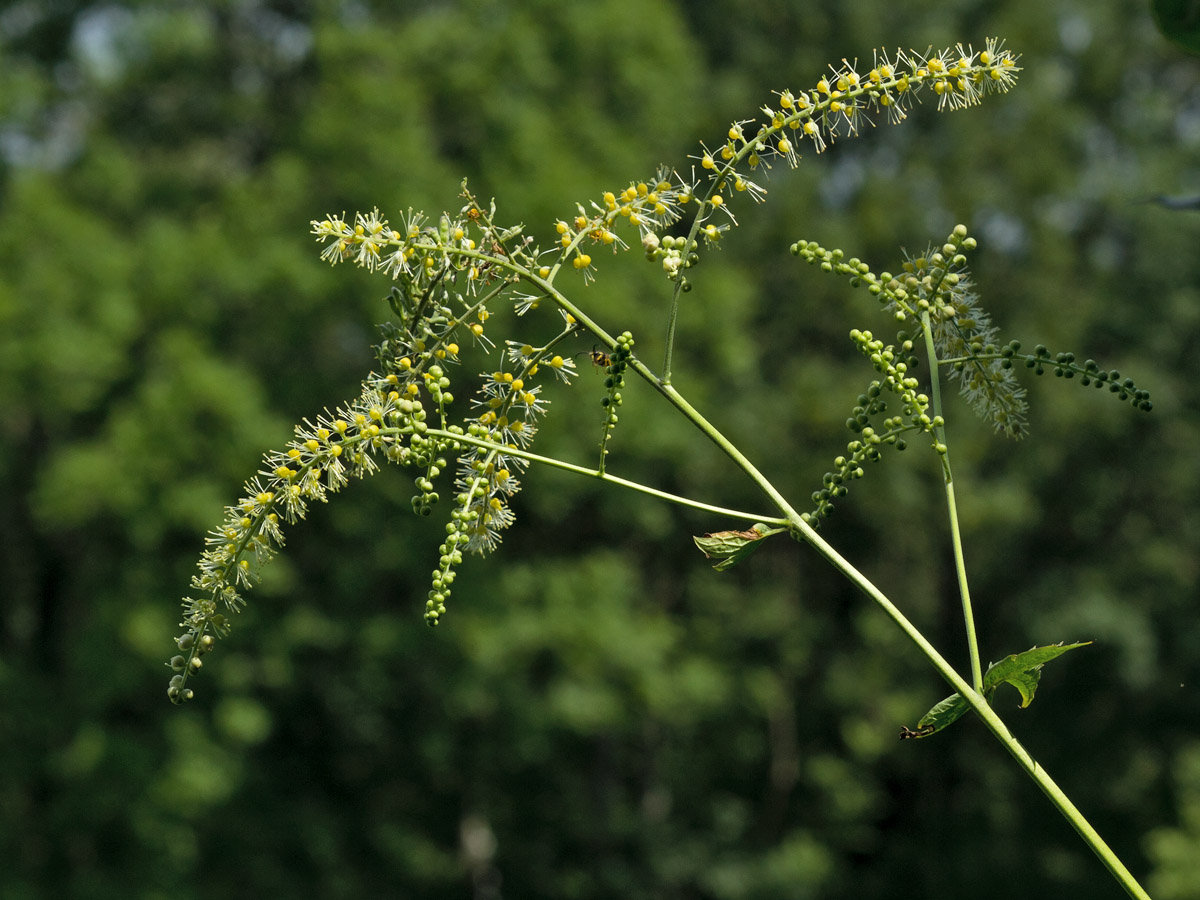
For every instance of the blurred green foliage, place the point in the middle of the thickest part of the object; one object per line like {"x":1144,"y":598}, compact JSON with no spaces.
{"x":1179,"y":21}
{"x":601,"y":715}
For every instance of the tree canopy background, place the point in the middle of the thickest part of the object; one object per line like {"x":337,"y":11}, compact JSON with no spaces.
{"x":601,"y":715}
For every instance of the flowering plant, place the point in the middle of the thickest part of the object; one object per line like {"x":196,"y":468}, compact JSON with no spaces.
{"x":452,"y":271}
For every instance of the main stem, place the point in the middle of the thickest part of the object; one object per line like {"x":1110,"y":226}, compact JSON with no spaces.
{"x":804,"y":531}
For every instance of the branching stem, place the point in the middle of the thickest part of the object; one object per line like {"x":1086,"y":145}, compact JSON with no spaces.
{"x":602,"y":476}
{"x":974,"y":698}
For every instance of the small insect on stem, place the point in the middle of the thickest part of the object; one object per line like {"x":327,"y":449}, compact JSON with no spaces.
{"x":600,"y":359}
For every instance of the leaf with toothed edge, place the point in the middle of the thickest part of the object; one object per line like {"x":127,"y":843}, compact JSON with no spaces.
{"x":731,"y":547}
{"x":1022,"y":670}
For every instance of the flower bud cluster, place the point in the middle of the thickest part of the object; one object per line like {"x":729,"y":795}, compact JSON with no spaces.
{"x":1064,"y":366}
{"x":677,"y":254}
{"x":894,"y":363}
{"x":615,"y":365}
{"x":936,"y":285}
{"x":647,"y":206}
{"x":964,"y":336}
{"x":183,"y":666}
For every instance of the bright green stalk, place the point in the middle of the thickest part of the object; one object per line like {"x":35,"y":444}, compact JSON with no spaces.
{"x":960,"y":566}
{"x":601,"y":476}
{"x":974,"y":699}
{"x":804,"y":531}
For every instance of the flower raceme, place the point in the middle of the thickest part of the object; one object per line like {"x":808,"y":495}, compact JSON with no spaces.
{"x":839,"y":104}
{"x":450,"y":274}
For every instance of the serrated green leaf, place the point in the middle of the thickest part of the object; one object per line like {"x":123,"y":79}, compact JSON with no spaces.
{"x":1026,"y":683}
{"x":731,"y":547}
{"x":726,"y":543}
{"x":943,"y":715}
{"x":1022,"y":670}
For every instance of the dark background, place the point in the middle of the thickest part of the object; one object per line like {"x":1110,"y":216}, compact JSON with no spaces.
{"x":601,"y":715}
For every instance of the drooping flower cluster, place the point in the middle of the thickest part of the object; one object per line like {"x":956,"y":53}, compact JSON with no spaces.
{"x":615,"y":365}
{"x":449,"y":272}
{"x":509,"y":406}
{"x":894,"y":364}
{"x":402,"y":412}
{"x":320,"y":460}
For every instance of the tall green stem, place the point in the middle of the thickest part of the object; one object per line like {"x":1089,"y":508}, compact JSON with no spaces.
{"x":960,"y":566}
{"x":598,"y":475}
{"x":805,"y":532}
{"x":974,"y":698}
